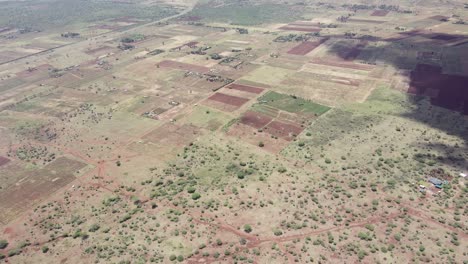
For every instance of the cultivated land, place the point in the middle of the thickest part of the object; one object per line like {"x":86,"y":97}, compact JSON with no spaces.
{"x":225,"y":131}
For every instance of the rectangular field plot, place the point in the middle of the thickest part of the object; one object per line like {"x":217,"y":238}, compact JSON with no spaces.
{"x":251,"y":135}
{"x":301,"y":28}
{"x":277,"y":119}
{"x":207,"y":118}
{"x":228,"y":99}
{"x":292,"y":104}
{"x":365,"y":21}
{"x":268,"y":75}
{"x":183,"y":66}
{"x":32,"y":186}
{"x":255,"y":119}
{"x":171,"y":135}
{"x":245,"y":88}
{"x":306,"y":47}
{"x":285,"y":130}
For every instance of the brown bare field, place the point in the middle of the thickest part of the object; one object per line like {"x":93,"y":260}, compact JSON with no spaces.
{"x":245,"y":88}
{"x":306,"y":47}
{"x":286,"y":131}
{"x":255,"y":119}
{"x":361,"y":20}
{"x":228,"y":99}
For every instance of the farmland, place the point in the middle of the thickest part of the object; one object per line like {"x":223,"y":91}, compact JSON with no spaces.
{"x":225,"y":131}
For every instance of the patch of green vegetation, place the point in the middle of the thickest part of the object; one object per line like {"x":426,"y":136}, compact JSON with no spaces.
{"x":247,"y":14}
{"x":3,"y":244}
{"x":291,"y":103}
{"x":133,"y":38}
{"x":51,"y":13}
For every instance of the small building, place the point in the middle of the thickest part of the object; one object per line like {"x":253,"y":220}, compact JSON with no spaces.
{"x":437,"y":182}
{"x":463,"y":175}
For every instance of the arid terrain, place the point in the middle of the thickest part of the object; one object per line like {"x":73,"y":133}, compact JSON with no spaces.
{"x":233,"y":131}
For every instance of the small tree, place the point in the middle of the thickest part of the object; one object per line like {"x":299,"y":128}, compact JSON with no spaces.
{"x":3,"y":244}
{"x":45,"y":249}
{"x":247,"y":228}
{"x":196,"y":196}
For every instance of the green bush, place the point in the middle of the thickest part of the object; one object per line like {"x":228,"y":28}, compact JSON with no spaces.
{"x":191,"y":189}
{"x":94,"y":228}
{"x":45,"y":249}
{"x":3,"y":244}
{"x":196,"y":196}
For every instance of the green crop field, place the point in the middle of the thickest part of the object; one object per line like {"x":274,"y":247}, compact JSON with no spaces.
{"x":247,"y":14}
{"x":292,"y":103}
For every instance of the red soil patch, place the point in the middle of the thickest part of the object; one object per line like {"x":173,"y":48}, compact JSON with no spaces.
{"x":358,"y":20}
{"x":380,"y":13}
{"x":448,"y":91}
{"x":183,"y":66}
{"x":255,"y":120}
{"x":302,"y":28}
{"x":3,"y":160}
{"x":283,"y":130}
{"x":228,"y":99}
{"x":245,"y":88}
{"x":306,"y":47}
